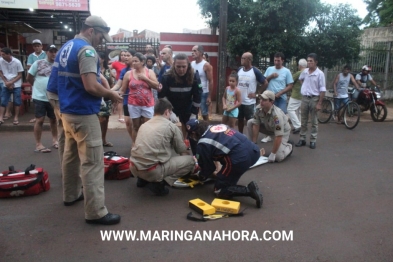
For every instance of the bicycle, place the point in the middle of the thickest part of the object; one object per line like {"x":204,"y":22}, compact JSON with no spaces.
{"x":350,"y":112}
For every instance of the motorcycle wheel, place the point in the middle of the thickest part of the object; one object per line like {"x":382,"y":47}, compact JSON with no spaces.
{"x":326,"y":112}
{"x":378,"y":112}
{"x":351,"y":115}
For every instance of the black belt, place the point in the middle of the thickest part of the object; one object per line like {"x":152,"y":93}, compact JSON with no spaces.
{"x":310,"y":96}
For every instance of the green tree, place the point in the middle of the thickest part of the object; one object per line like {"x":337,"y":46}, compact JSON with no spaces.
{"x":211,"y":11}
{"x":335,"y":36}
{"x":263,"y":27}
{"x":380,"y":12}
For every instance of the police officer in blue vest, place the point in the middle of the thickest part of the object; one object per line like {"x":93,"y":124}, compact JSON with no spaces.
{"x":235,"y":153}
{"x":76,"y":80}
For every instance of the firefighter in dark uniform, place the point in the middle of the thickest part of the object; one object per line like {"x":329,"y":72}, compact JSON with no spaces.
{"x":235,"y":153}
{"x":271,"y":120}
{"x":182,"y":87}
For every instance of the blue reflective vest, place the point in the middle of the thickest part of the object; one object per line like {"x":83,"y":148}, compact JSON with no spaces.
{"x":66,"y":81}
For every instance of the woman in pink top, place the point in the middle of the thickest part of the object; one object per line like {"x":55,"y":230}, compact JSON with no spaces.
{"x":140,"y":81}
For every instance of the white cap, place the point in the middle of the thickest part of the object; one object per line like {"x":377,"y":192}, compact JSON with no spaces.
{"x":366,"y":67}
{"x":37,"y":41}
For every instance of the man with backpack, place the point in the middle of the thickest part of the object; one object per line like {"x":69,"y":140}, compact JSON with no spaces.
{"x":363,"y":77}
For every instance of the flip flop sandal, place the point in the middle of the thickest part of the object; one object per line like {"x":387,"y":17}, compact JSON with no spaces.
{"x":121,"y":120}
{"x":43,"y":150}
{"x":7,"y":117}
{"x":32,"y":120}
{"x":16,"y":122}
{"x":108,"y":144}
{"x":56,"y":145}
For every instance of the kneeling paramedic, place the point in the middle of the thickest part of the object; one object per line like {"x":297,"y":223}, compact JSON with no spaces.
{"x":235,"y":153}
{"x":151,"y":157}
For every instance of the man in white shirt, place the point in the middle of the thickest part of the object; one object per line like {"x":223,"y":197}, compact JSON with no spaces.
{"x":249,"y":77}
{"x":11,"y":73}
{"x":313,"y":91}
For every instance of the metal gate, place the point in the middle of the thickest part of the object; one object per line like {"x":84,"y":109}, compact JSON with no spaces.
{"x":377,"y":55}
{"x":137,"y":44}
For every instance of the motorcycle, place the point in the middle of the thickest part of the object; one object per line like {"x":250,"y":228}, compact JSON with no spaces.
{"x":368,"y":99}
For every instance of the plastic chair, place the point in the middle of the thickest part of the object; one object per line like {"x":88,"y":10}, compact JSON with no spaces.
{"x":26,"y":92}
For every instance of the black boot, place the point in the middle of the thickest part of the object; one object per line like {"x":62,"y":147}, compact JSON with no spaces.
{"x":141,"y":182}
{"x":255,"y":193}
{"x":158,"y":188}
{"x":251,"y":190}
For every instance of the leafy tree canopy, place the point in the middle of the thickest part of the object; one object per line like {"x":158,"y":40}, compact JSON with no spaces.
{"x":335,"y":36}
{"x":265,"y":27}
{"x":380,"y":12}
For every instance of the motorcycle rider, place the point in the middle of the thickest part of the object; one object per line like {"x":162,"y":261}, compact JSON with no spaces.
{"x":363,"y":77}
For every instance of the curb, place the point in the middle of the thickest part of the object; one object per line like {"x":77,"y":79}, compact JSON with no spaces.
{"x":22,"y":128}
{"x":46,"y":127}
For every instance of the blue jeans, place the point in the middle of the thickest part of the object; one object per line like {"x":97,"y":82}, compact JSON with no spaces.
{"x":6,"y":94}
{"x":204,"y":106}
{"x":281,"y":103}
{"x":338,"y":102}
{"x":1,"y":91}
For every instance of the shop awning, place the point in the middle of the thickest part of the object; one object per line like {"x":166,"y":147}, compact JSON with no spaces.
{"x":17,"y":26}
{"x":45,"y":19}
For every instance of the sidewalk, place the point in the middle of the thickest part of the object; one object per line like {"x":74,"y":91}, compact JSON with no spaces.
{"x":25,"y":125}
{"x":115,"y":124}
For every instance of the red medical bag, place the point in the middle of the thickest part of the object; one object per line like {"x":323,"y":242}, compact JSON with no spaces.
{"x":18,"y":183}
{"x":116,"y":167}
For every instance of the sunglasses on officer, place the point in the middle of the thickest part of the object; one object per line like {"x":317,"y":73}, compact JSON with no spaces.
{"x":104,"y":29}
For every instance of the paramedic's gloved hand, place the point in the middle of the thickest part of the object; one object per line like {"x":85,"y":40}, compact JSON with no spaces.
{"x":173,"y":118}
{"x":272,"y":158}
{"x":192,"y":116}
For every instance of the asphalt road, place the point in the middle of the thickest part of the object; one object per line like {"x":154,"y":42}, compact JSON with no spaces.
{"x":337,"y":201}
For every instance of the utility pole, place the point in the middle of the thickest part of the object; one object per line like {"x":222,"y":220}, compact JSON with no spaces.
{"x":222,"y":58}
